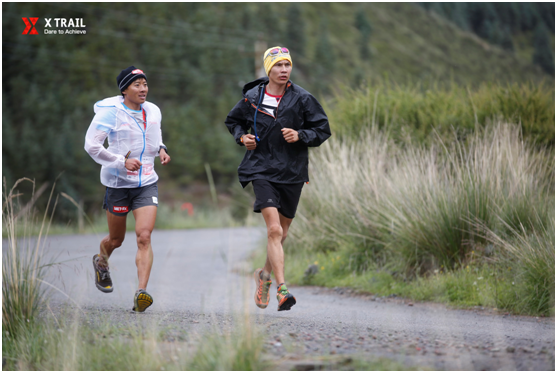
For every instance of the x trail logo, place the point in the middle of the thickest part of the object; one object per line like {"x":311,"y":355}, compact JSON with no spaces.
{"x":30,"y":26}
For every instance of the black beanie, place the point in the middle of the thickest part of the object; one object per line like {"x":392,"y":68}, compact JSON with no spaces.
{"x":127,"y":76}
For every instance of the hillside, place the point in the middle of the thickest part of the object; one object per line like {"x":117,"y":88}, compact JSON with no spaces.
{"x":408,"y":44}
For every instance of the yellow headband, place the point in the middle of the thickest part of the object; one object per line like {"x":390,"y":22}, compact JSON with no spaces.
{"x":270,"y":60}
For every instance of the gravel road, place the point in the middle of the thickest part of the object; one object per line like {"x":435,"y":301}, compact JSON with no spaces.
{"x":200,"y":281}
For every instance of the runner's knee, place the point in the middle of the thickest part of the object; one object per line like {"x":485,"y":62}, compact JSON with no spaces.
{"x":274,"y":231}
{"x":144,"y":238}
{"x":117,"y":242}
{"x":114,"y":243}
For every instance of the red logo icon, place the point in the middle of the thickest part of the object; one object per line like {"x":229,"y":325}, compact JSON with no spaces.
{"x":120,"y":209}
{"x":137,"y":71}
{"x":30,"y":26}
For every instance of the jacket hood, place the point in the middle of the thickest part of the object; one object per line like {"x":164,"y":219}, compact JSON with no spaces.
{"x":255,"y":83}
{"x":251,"y":90}
{"x":115,"y":101}
{"x":118,"y":101}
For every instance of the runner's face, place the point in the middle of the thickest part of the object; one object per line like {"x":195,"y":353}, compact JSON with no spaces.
{"x":280,"y":72}
{"x":136,"y":93}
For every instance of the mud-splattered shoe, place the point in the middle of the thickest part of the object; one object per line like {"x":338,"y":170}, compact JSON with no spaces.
{"x":262,"y":286}
{"x":102,"y":275}
{"x":141,"y":301}
{"x":285,"y":299}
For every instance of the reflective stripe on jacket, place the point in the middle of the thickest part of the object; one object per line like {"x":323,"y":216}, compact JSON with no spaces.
{"x":124,"y":134}
{"x":274,"y":159}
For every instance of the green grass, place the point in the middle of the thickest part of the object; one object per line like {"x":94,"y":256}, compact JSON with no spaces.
{"x":66,"y":342}
{"x":417,"y":111}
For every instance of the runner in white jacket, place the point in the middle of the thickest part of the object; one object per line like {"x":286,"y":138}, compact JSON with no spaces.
{"x":133,"y":128}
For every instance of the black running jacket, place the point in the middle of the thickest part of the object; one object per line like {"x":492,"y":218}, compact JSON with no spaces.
{"x":274,"y":159}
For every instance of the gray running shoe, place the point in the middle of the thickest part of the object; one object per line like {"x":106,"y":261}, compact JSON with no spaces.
{"x":102,"y":276}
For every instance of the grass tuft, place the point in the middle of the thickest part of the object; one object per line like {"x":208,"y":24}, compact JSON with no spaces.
{"x":23,"y":267}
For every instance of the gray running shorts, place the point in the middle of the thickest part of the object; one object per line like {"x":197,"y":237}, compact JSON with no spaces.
{"x":120,"y":201}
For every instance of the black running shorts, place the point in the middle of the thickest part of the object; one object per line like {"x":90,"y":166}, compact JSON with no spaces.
{"x":120,"y":201}
{"x":284,"y":197}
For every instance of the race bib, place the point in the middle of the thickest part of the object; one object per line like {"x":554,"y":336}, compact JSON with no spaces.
{"x":148,"y":163}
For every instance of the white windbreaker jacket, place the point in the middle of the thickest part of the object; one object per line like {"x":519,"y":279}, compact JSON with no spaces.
{"x":124,"y":134}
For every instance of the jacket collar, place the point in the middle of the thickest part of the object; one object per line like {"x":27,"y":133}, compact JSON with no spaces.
{"x":251,"y":90}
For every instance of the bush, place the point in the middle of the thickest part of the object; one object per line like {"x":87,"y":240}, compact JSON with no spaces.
{"x":416,"y":111}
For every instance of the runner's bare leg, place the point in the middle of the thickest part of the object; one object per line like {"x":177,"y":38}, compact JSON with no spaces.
{"x":145,"y":218}
{"x":277,"y":230}
{"x":116,"y":235}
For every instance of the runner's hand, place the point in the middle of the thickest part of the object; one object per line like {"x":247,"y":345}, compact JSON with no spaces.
{"x":249,"y":141}
{"x":290,"y":135}
{"x":165,"y":158}
{"x":133,"y":164}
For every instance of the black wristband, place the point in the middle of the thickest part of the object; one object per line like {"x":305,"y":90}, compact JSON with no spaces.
{"x":165,"y":149}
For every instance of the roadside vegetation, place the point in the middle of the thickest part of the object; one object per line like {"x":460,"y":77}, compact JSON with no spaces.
{"x":461,"y":214}
{"x":415,"y":112}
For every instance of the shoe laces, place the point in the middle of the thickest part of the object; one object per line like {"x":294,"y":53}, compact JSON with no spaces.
{"x":264,"y":287}
{"x":103,"y":269}
{"x":105,"y":275}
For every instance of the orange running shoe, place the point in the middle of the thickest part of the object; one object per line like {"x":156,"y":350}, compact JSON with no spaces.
{"x":285,"y":299}
{"x":261,"y":288}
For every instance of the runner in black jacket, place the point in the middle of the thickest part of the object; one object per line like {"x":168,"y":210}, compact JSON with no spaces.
{"x":284,"y":120}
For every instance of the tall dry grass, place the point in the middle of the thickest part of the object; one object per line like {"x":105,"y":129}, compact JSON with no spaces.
{"x":411,"y":206}
{"x":530,"y":254}
{"x":23,"y":264}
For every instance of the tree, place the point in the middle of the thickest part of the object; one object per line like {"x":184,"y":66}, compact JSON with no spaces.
{"x":295,"y":29}
{"x":506,"y":40}
{"x":364,"y":26}
{"x":325,"y":60}
{"x":543,"y":54}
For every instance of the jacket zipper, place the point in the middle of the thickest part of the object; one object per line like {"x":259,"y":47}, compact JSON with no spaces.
{"x":264,"y":112}
{"x":143,"y":150}
{"x":281,"y":101}
{"x":261,"y":111}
